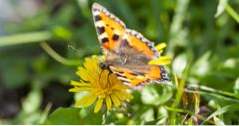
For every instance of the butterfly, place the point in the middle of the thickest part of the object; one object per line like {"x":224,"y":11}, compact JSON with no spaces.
{"x":127,"y":52}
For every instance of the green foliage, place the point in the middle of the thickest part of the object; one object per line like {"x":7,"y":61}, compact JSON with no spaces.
{"x":39,"y":54}
{"x":73,"y":116}
{"x":156,"y":96}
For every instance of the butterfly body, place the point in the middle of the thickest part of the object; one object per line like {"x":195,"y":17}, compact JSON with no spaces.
{"x":127,"y":52}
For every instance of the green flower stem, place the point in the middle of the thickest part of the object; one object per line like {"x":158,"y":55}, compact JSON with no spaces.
{"x":32,"y":37}
{"x":57,"y":56}
{"x":232,"y":13}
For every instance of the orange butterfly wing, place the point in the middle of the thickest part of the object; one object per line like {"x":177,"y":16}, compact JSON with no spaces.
{"x":109,"y":28}
{"x":127,"y":51}
{"x":141,"y":44}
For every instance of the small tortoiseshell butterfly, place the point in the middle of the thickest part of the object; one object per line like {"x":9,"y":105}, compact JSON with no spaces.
{"x":127,"y":52}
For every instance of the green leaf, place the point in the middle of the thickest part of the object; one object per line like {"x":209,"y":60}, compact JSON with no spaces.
{"x":221,"y":7}
{"x":73,"y":116}
{"x":30,"y":112}
{"x":148,"y":115}
{"x":202,"y":65}
{"x":155,"y":95}
{"x":236,"y":86}
{"x":162,"y":116}
{"x":179,"y":64}
{"x":32,"y":102}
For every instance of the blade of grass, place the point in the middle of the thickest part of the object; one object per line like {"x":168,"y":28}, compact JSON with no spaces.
{"x":232,"y":13}
{"x":214,"y":94}
{"x":45,"y":113}
{"x":208,"y":89}
{"x":25,"y":38}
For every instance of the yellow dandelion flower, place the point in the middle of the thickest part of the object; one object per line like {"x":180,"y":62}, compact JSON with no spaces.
{"x":162,"y":60}
{"x":102,"y":87}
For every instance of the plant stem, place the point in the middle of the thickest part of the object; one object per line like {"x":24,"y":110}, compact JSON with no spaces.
{"x":180,"y":91}
{"x":57,"y":56}
{"x":32,"y":37}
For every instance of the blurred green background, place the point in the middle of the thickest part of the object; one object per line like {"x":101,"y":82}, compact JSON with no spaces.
{"x":202,"y":37}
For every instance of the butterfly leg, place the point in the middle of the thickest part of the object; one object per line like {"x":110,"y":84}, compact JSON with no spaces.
{"x":100,"y":75}
{"x":105,"y":66}
{"x":108,"y":78}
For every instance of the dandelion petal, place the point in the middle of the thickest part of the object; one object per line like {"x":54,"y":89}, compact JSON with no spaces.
{"x":115,"y":100}
{"x":86,"y":101}
{"x":81,"y":84}
{"x":98,"y":105}
{"x":108,"y":102}
{"x":79,"y":89}
{"x":161,"y":46}
{"x":83,"y":73}
{"x":163,"y":60}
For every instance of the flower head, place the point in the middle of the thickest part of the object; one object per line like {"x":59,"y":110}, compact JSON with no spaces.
{"x":101,"y":86}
